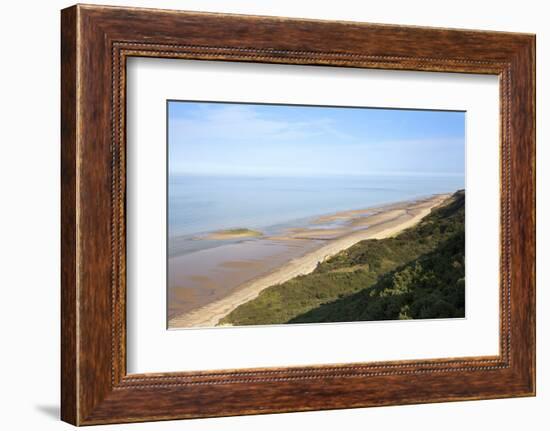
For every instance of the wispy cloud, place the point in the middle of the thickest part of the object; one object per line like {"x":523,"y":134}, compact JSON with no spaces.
{"x":244,"y":123}
{"x":210,"y":138}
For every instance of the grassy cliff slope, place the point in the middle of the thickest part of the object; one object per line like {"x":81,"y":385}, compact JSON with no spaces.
{"x":418,"y":274}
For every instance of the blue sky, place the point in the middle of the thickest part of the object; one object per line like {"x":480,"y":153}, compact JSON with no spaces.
{"x":285,"y":140}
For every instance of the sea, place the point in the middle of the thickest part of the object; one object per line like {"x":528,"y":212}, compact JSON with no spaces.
{"x":198,"y":204}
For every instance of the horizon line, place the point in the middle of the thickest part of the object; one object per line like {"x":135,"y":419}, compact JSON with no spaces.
{"x":325,"y":174}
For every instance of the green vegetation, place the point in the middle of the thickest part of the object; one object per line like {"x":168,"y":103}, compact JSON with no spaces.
{"x":234,"y":233}
{"x":418,"y":274}
{"x":240,"y":231}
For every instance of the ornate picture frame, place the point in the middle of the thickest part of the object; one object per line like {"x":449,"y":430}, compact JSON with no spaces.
{"x":96,"y":41}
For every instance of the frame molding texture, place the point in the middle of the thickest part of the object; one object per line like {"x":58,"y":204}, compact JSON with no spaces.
{"x":95,"y":43}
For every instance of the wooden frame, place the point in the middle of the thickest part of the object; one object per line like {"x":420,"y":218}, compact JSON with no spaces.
{"x":96,"y":41}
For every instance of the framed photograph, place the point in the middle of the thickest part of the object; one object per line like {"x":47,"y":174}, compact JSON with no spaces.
{"x":283,"y":214}
{"x":264,"y":215}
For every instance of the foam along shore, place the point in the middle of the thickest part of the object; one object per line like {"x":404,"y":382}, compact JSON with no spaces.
{"x":375,"y":223}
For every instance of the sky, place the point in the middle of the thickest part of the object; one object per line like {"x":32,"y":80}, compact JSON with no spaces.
{"x":288,"y":140}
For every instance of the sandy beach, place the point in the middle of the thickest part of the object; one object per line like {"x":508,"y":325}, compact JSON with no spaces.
{"x":323,"y":238}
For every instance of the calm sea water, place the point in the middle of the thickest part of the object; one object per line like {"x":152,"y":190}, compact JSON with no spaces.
{"x":198,"y":204}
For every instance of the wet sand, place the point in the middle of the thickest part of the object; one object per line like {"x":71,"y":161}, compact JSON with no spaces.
{"x":207,"y":285}
{"x":199,"y":278}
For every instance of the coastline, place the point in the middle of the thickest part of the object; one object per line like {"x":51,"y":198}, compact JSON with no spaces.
{"x":373,"y":223}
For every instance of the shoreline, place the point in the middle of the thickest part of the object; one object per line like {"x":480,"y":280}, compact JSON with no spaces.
{"x":388,"y":221}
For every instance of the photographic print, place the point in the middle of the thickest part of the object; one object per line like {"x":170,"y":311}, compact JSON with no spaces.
{"x":246,"y":214}
{"x":296,"y":214}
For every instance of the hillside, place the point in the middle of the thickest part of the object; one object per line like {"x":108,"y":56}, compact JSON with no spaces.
{"x":418,"y":274}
